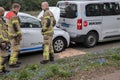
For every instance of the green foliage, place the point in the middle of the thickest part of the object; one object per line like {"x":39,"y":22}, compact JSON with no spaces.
{"x":59,"y":71}
{"x":5,"y":3}
{"x":116,"y":56}
{"x":27,"y":5}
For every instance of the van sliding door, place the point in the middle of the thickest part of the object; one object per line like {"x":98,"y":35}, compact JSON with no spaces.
{"x":111,"y":20}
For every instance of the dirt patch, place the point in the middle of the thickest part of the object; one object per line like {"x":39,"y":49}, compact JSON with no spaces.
{"x":94,"y":74}
{"x":112,"y":76}
{"x":69,"y":53}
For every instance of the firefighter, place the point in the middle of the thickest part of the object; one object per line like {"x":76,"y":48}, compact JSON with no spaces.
{"x":3,"y":42}
{"x":48,"y":22}
{"x":15,"y":35}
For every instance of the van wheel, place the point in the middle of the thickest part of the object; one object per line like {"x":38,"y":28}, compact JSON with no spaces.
{"x":59,"y":44}
{"x":91,"y":39}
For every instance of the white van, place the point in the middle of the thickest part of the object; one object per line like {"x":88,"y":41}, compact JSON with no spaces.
{"x":90,"y":21}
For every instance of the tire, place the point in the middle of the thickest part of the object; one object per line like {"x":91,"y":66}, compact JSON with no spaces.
{"x":59,"y":44}
{"x":91,"y":39}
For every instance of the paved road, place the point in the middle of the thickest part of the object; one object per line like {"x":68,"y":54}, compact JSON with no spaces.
{"x":35,"y":57}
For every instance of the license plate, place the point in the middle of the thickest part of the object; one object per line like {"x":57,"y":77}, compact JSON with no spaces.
{"x":65,"y":25}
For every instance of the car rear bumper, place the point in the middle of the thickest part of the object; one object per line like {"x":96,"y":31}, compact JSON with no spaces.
{"x":78,"y":38}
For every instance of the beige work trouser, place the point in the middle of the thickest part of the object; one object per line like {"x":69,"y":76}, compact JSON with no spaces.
{"x":48,"y":46}
{"x":15,"y":49}
{"x":3,"y":56}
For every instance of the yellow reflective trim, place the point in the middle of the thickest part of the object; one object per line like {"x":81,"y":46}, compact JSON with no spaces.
{"x":4,"y":39}
{"x":46,"y":52}
{"x":15,"y":21}
{"x":0,"y":25}
{"x":9,"y":25}
{"x":10,"y":34}
{"x":19,"y":32}
{"x":44,"y":28}
{"x":0,"y":36}
{"x":48,"y":32}
{"x":13,"y":60}
{"x":4,"y":31}
{"x":52,"y":51}
{"x":1,"y":67}
{"x":1,"y":59}
{"x":47,"y":17}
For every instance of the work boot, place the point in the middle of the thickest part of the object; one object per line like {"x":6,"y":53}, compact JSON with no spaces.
{"x":4,"y":71}
{"x":44,"y":61}
{"x":51,"y":56}
{"x":1,"y":72}
{"x":18,"y":62}
{"x":14,"y":66}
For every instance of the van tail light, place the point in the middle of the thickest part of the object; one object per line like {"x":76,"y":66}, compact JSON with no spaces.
{"x":79,"y":24}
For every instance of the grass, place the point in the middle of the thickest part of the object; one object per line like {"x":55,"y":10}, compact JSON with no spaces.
{"x":65,"y":68}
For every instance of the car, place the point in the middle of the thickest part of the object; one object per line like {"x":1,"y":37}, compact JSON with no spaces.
{"x":32,"y":39}
{"x":90,"y":21}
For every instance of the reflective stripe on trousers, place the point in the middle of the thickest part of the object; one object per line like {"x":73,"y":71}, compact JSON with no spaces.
{"x":48,"y":48}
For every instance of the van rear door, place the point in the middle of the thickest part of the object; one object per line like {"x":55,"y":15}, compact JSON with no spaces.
{"x":68,"y":17}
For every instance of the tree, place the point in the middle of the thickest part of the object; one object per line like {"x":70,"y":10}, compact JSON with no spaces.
{"x":27,"y":5}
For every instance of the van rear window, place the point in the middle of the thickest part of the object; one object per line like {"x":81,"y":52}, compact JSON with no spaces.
{"x":68,"y":10}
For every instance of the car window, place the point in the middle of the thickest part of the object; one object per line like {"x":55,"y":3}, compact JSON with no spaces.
{"x":29,"y":22}
{"x":68,"y":10}
{"x":110,"y":9}
{"x":93,"y":10}
{"x":105,"y":9}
